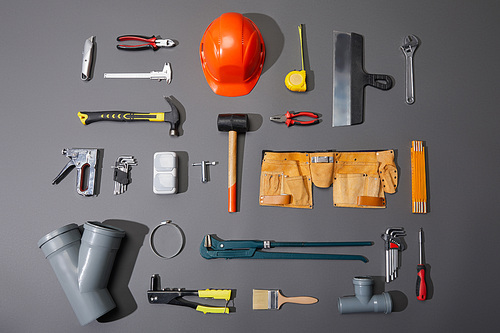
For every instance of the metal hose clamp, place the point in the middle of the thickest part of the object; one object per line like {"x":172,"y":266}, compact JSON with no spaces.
{"x":151,"y":239}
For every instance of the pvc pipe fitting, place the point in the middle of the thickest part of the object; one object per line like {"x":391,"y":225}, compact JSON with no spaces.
{"x":98,"y":249}
{"x":62,"y":247}
{"x":364,"y":300}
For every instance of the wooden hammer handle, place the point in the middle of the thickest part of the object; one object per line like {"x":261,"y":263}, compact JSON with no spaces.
{"x":231,"y":172}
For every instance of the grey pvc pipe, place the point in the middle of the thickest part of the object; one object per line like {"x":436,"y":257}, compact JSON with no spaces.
{"x":62,"y":247}
{"x":98,"y":249}
{"x":364,"y":300}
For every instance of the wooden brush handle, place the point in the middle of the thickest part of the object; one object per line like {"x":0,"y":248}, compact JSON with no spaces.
{"x":297,"y":300}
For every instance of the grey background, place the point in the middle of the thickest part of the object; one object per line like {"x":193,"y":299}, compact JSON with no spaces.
{"x":456,"y":114}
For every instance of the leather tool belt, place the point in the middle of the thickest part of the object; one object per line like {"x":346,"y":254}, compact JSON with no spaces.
{"x":359,"y":179}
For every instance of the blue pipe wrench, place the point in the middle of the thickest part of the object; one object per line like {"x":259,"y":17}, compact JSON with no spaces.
{"x":213,"y":247}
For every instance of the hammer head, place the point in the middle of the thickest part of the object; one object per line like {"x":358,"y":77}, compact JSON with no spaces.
{"x":172,"y":117}
{"x":233,"y":122}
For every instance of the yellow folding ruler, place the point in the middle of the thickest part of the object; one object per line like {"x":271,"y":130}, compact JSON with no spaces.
{"x":418,"y":178}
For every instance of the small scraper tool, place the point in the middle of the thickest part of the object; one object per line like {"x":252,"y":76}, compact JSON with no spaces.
{"x":350,"y":79}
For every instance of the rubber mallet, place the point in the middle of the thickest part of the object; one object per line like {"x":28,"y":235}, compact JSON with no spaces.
{"x":234,"y":124}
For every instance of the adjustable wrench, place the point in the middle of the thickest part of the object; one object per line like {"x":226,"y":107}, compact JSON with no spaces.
{"x":409,"y":46}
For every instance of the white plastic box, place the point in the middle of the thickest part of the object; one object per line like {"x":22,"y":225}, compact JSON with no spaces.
{"x":165,"y":173}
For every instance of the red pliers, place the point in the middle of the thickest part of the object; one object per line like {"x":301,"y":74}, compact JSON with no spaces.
{"x":154,"y":42}
{"x":287,"y":118}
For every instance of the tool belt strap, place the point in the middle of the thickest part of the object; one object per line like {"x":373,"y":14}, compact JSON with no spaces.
{"x":370,"y":201}
{"x":283,"y":199}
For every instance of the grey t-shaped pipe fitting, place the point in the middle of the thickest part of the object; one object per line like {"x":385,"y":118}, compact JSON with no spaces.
{"x":364,"y":300}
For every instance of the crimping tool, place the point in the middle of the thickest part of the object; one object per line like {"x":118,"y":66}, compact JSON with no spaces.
{"x":213,"y":247}
{"x":174,"y":296}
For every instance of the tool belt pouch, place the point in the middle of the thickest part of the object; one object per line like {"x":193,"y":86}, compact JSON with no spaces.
{"x":361,"y":179}
{"x":285,"y":180}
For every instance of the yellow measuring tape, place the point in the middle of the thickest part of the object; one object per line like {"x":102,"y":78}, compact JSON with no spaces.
{"x":296,"y":80}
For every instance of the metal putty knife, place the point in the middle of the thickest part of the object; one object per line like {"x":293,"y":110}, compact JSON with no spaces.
{"x":350,"y":79}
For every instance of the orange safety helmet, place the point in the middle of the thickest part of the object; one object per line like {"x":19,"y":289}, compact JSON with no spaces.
{"x":232,"y":55}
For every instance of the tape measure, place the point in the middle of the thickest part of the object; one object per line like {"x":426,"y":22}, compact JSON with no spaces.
{"x":296,"y":80}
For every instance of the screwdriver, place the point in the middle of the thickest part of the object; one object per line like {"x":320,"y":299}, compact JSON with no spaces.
{"x":421,"y":285}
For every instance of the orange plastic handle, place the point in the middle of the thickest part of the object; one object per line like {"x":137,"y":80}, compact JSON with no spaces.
{"x":421,"y":284}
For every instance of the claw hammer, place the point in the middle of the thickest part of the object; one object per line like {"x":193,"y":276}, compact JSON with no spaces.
{"x":172,"y":117}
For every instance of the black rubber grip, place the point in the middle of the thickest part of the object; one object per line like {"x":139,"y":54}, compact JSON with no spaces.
{"x":92,"y":117}
{"x":380,"y":81}
{"x":136,"y":47}
{"x":305,"y":122}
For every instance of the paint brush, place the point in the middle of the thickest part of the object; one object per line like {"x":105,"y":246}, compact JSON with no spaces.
{"x":273,"y":299}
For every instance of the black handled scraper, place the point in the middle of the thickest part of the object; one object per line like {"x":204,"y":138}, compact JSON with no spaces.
{"x":350,"y":79}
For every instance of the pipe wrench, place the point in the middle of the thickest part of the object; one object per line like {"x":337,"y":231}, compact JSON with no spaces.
{"x":213,"y":247}
{"x":85,"y":161}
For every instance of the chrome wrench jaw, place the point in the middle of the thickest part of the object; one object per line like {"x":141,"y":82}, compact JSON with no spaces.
{"x":409,"y":46}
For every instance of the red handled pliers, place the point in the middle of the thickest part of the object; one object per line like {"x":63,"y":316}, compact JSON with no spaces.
{"x":287,"y":118}
{"x":154,"y":42}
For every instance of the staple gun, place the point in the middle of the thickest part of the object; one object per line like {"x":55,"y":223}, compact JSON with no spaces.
{"x":85,"y":161}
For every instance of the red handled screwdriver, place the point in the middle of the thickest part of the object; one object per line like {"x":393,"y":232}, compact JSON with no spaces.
{"x":421,"y":285}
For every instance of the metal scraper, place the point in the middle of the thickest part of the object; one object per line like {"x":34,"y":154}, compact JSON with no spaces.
{"x":350,"y":79}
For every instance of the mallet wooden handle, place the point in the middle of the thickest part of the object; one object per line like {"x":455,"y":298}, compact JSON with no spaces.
{"x":231,"y":172}
{"x":233,"y":124}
